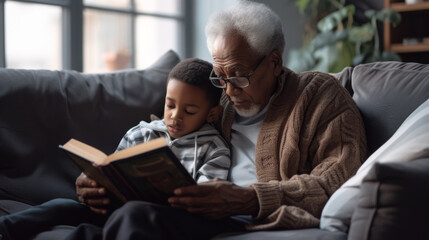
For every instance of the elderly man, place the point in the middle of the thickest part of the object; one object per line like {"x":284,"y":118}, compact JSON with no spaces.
{"x":295,"y":138}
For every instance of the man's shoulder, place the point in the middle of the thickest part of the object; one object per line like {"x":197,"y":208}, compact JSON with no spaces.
{"x":321,"y":83}
{"x":317,"y":77}
{"x":314,"y":82}
{"x":327,"y":92}
{"x":312,"y":89}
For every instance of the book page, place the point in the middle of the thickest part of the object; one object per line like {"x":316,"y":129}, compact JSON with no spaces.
{"x":138,"y":149}
{"x":85,"y":151}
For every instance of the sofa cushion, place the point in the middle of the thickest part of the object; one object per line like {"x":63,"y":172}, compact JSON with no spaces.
{"x":41,"y":109}
{"x":57,"y":232}
{"x":393,"y":203}
{"x":409,"y":142}
{"x":345,"y":78}
{"x":11,"y":206}
{"x":300,"y":234}
{"x":386,"y":93}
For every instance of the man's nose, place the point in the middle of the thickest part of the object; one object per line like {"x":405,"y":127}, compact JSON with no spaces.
{"x":231,"y":90}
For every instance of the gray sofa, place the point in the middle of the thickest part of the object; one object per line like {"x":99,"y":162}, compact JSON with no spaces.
{"x":41,"y":109}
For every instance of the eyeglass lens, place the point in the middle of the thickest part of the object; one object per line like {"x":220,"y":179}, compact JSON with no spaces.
{"x":239,"y":82}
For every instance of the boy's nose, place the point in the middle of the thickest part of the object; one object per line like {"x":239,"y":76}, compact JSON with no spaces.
{"x":176,"y":115}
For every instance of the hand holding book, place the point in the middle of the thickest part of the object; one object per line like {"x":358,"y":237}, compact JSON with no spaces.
{"x":148,"y":171}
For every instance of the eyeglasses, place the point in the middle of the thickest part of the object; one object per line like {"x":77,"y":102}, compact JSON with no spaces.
{"x":238,"y":82}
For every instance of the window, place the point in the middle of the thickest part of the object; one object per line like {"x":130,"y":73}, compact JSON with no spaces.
{"x":106,"y":41}
{"x":33,"y":41}
{"x":90,"y":35}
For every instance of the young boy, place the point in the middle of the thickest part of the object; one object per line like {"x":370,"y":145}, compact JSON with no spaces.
{"x":191,"y":105}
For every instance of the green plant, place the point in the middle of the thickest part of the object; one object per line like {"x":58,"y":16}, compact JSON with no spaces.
{"x":338,"y":42}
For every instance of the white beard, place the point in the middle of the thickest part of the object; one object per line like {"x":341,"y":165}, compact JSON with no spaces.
{"x":253,"y":110}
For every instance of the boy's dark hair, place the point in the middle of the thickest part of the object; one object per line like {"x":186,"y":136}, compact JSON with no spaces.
{"x":197,"y":72}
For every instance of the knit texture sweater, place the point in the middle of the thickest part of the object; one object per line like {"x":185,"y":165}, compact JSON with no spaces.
{"x":311,"y":141}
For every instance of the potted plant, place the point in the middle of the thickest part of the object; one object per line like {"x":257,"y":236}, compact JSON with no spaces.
{"x":337,"y":41}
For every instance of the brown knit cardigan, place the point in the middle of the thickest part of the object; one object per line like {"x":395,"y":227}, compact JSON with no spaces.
{"x":311,"y":141}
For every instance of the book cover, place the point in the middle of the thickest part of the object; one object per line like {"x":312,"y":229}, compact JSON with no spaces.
{"x":148,"y":171}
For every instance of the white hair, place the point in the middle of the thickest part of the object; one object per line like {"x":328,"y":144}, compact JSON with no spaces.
{"x":257,"y":23}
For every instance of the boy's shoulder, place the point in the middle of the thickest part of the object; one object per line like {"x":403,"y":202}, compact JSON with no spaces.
{"x":206,"y":134}
{"x":146,"y":128}
{"x":207,"y":129}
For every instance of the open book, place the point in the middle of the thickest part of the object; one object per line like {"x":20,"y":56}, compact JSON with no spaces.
{"x":148,"y":171}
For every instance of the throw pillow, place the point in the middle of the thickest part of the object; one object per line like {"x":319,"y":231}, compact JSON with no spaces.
{"x":393,"y":202}
{"x":408,"y":143}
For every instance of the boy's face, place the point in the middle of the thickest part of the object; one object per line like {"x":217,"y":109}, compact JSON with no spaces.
{"x":186,"y":108}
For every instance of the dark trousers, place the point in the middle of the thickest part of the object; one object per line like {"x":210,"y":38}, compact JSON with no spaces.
{"x":143,"y":220}
{"x":134,"y":220}
{"x":27,"y":223}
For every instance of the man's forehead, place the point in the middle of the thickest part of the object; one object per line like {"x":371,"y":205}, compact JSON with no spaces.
{"x":233,"y":54}
{"x":230,"y":46}
{"x":234,"y":62}
{"x":230,"y":62}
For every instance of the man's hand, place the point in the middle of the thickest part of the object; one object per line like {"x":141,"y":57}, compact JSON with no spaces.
{"x":91,"y":194}
{"x":216,"y":199}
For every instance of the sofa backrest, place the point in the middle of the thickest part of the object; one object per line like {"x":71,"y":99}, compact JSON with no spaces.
{"x":386,"y":93}
{"x":41,"y":109}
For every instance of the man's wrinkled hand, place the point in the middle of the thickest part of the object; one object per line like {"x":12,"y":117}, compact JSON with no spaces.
{"x":216,"y":199}
{"x":91,"y":194}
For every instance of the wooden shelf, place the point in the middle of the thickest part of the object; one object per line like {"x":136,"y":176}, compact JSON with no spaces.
{"x":403,"y":7}
{"x":414,"y":25}
{"x":408,"y":48}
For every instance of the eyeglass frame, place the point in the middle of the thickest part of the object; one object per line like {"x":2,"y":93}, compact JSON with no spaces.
{"x":230,"y":79}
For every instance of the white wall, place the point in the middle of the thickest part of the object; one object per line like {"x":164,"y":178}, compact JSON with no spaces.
{"x":202,"y":11}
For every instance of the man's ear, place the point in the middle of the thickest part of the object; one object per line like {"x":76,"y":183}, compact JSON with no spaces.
{"x":214,"y":113}
{"x":277,"y":60}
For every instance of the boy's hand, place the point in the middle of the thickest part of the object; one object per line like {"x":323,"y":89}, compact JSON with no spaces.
{"x":216,"y":199}
{"x":92,"y":195}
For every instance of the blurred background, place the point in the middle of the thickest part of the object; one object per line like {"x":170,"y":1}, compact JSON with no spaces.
{"x":97,"y":36}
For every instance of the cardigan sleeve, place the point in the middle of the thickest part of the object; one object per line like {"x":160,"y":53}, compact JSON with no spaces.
{"x":322,"y":144}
